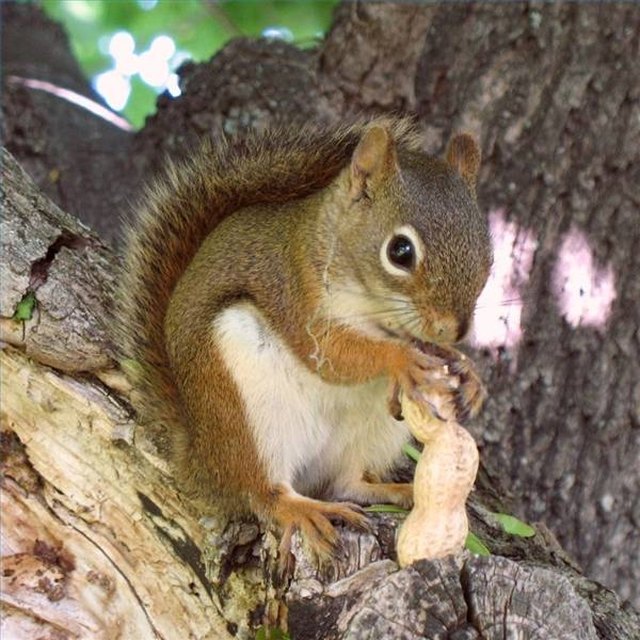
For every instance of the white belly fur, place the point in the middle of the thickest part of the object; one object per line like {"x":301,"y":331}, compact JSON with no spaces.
{"x":307,"y":431}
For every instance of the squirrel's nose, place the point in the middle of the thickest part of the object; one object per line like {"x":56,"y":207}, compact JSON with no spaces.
{"x":445,"y":329}
{"x":451,"y":328}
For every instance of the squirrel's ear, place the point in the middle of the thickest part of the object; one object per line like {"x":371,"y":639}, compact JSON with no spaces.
{"x":373,"y":161}
{"x":463,"y":154}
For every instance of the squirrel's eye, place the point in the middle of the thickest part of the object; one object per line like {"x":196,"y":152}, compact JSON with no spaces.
{"x":401,"y":252}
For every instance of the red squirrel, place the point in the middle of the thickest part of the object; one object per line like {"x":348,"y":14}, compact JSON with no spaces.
{"x":274,"y":290}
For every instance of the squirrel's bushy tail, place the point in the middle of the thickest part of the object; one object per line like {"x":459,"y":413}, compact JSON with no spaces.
{"x":183,"y":206}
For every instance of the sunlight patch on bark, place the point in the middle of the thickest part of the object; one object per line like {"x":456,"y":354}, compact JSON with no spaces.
{"x":499,"y":307}
{"x":584,"y":291}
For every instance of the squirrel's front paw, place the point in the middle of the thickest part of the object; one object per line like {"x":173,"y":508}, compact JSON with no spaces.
{"x":424,"y":379}
{"x":471,"y":393}
{"x":444,"y":379}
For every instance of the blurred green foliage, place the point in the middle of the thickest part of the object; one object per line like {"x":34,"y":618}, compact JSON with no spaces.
{"x":198,"y":27}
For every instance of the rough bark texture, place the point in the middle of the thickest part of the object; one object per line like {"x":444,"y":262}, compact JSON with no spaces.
{"x":553,"y":93}
{"x":79,"y":160}
{"x":51,"y":256}
{"x":369,"y":61}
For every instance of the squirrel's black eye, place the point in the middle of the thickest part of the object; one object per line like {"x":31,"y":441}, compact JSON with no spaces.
{"x":401,"y":252}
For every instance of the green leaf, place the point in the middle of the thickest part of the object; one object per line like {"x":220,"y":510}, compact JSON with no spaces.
{"x":513,"y":526}
{"x":26,"y":306}
{"x":411,"y":452}
{"x":264,"y":633}
{"x":385,"y":508}
{"x":131,"y":367}
{"x":475,"y":545}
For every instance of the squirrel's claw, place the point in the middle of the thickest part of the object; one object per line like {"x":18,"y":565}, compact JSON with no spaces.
{"x":470,"y":398}
{"x":313,"y":519}
{"x":393,"y":401}
{"x":444,"y":373}
{"x":471,"y":392}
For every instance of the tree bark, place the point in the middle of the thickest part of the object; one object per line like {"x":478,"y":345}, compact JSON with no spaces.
{"x":551,"y":92}
{"x":79,"y":160}
{"x":555,"y":94}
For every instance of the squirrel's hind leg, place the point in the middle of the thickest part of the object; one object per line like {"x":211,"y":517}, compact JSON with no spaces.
{"x":370,"y":490}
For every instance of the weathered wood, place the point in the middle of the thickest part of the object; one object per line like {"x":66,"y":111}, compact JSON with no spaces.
{"x":52,"y":256}
{"x":80,"y":554}
{"x":480,"y":598}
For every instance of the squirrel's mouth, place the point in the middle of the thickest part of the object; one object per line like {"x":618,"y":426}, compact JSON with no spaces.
{"x":419,"y":340}
{"x":403,"y":335}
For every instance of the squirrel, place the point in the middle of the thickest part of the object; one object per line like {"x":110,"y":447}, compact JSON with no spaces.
{"x":274,"y":291}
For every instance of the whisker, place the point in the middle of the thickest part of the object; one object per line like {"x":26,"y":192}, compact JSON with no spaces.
{"x":372,"y":295}
{"x":403,"y":301}
{"x":385,"y":321}
{"x":501,"y":303}
{"x":401,"y":318}
{"x":399,"y":312}
{"x":382,"y":313}
{"x":412,"y":325}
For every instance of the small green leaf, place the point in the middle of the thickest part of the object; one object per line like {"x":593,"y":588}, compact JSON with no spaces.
{"x":410,"y":451}
{"x":385,"y":508}
{"x":131,"y":367}
{"x":24,"y":308}
{"x":264,"y":633}
{"x":475,"y":545}
{"x":513,"y":526}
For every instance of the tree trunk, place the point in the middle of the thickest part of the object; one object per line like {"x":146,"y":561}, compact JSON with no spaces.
{"x":101,"y":544}
{"x":554,"y":91}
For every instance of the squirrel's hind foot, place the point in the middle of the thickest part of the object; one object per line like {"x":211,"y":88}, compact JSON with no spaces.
{"x":314,"y":520}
